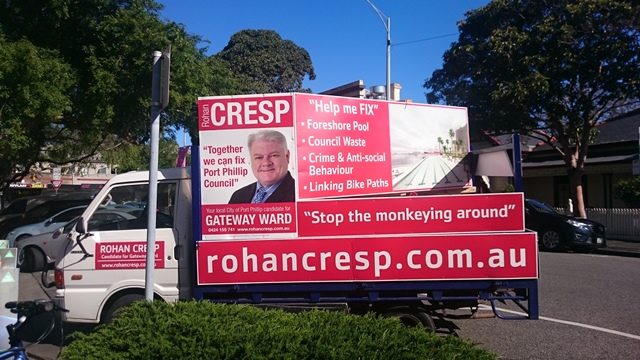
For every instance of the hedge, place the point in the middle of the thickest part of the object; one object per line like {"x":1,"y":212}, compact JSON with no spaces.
{"x":205,"y":330}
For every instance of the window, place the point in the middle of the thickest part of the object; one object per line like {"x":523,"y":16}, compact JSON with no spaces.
{"x":68,"y":215}
{"x":125,"y":208}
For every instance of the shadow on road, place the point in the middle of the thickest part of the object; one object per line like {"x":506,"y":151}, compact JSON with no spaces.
{"x":48,"y":328}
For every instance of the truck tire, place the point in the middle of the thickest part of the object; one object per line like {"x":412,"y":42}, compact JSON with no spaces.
{"x":125,"y":300}
{"x":31,"y":259}
{"x":413,"y":317}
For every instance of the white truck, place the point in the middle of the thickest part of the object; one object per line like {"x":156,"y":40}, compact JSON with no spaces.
{"x":365,"y":230}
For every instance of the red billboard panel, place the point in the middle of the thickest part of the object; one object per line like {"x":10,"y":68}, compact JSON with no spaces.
{"x":412,"y":215}
{"x":364,"y":259}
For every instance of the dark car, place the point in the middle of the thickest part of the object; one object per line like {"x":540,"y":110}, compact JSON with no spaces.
{"x":18,"y":206}
{"x":557,"y":231}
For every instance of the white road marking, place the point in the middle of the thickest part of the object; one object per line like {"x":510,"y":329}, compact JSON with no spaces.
{"x":573,"y":323}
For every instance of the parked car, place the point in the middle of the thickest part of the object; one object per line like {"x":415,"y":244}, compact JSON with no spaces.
{"x":557,"y":231}
{"x":17,"y":206}
{"x":35,"y":253}
{"x":41,"y":209}
{"x":46,"y":226}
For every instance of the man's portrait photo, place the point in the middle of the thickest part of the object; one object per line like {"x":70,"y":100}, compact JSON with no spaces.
{"x":269,"y":158}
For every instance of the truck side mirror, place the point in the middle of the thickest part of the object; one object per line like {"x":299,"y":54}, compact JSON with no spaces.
{"x":81,"y":225}
{"x":81,"y":228}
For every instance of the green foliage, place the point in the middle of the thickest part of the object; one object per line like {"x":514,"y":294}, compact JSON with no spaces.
{"x":558,"y":67}
{"x":81,"y":72}
{"x":30,"y":115}
{"x":75,"y":74}
{"x":193,"y":330}
{"x":265,"y":63}
{"x":628,"y":190}
{"x":130,"y":157}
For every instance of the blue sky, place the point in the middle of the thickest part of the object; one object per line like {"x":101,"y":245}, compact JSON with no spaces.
{"x":346,"y":39}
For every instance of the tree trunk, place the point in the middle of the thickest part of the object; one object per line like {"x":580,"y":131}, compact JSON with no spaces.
{"x":575,"y":186}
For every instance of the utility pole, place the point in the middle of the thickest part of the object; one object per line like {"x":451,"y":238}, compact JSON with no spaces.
{"x":159,"y":100}
{"x":386,"y":22}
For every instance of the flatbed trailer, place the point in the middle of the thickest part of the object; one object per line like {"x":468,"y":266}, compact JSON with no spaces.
{"x":410,"y":300}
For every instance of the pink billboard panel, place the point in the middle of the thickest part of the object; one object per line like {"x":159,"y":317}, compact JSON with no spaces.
{"x":412,"y":215}
{"x":230,"y":171}
{"x":330,"y":148}
{"x":355,"y":259}
{"x":343,"y":146}
{"x":351,"y":146}
{"x":248,"y":219}
{"x":244,"y":112}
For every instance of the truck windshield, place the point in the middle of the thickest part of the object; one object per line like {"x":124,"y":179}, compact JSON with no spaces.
{"x":125,"y":208}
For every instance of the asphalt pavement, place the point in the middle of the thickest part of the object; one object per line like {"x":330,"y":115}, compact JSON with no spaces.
{"x":629,"y":248}
{"x":614,"y":247}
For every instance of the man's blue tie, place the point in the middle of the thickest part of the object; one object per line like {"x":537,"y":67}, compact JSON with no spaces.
{"x":260,"y":195}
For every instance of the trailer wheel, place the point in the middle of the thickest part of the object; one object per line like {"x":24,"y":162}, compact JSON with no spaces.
{"x":124,"y":300}
{"x":414,"y":318}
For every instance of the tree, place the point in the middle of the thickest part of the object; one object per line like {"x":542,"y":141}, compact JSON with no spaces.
{"x":131,"y":157}
{"x":265,"y":63}
{"x":97,"y":63}
{"x":30,"y":116}
{"x":549,"y":69}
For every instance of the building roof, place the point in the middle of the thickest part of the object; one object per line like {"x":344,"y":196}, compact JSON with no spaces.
{"x":621,"y":128}
{"x":588,"y":160}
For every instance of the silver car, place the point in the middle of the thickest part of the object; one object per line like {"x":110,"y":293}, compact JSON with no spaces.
{"x":35,"y":253}
{"x":46,"y":226}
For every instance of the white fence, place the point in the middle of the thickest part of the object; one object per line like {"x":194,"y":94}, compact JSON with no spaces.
{"x":622,"y":224}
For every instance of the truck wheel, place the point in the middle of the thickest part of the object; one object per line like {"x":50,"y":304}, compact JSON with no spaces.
{"x":30,"y":259}
{"x":414,"y":318}
{"x":550,"y":240}
{"x":124,"y":300}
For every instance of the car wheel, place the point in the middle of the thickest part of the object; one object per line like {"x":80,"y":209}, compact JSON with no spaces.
{"x":550,"y":240}
{"x":31,"y":259}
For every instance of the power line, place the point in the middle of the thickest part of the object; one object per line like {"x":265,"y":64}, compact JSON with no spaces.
{"x":425,"y":39}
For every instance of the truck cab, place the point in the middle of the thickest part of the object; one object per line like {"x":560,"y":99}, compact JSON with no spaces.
{"x":103,"y":265}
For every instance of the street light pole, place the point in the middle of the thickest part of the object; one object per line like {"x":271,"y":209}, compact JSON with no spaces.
{"x":386,"y":21}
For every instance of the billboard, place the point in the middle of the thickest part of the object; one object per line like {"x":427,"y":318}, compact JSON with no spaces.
{"x":335,"y":148}
{"x":281,"y":173}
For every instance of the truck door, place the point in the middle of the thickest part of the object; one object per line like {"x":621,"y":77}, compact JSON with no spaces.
{"x":116,"y":239}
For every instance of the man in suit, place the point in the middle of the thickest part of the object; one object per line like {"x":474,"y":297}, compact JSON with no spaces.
{"x":270,"y":165}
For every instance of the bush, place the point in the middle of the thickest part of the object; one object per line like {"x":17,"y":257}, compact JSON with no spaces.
{"x":205,"y":330}
{"x":628,"y":190}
